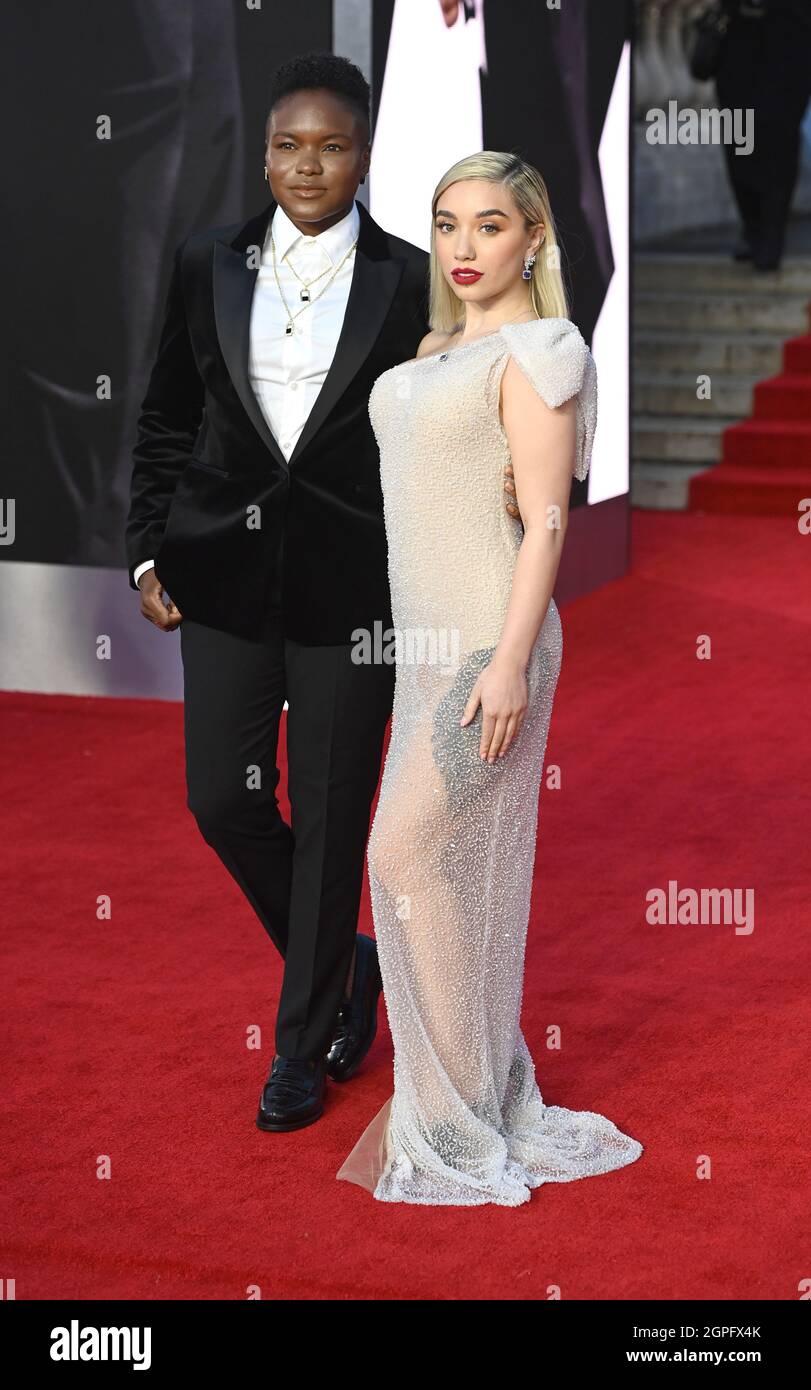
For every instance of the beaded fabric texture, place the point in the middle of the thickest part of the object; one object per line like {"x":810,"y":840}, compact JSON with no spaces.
{"x":452,"y":844}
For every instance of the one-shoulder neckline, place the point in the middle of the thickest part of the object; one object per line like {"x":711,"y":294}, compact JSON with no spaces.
{"x":483,"y":338}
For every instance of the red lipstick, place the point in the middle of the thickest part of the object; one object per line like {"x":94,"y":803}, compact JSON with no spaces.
{"x":464,"y":276}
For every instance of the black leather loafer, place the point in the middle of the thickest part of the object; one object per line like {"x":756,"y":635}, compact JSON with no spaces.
{"x":293,"y":1095}
{"x":357,"y":1020}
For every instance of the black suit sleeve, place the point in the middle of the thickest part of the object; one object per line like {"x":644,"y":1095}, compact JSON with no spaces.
{"x":170,"y":418}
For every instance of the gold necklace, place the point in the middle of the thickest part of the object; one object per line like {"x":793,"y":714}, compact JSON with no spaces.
{"x":288,"y":328}
{"x":305,"y":293}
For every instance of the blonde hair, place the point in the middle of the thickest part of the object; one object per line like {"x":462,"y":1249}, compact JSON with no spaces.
{"x":529,"y":193}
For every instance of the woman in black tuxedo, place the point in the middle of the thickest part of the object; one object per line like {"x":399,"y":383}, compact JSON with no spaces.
{"x":273,"y":551}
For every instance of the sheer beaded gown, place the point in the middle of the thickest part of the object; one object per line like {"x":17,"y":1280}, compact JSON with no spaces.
{"x":452,"y":844}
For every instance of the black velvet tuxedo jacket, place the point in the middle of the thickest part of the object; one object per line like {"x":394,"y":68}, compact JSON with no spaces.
{"x":235,"y":530}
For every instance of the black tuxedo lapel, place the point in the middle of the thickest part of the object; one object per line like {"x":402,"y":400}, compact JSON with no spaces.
{"x":375,"y":278}
{"x":234,"y":282}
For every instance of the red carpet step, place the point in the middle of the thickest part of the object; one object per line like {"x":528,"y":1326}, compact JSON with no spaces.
{"x":766,"y":465}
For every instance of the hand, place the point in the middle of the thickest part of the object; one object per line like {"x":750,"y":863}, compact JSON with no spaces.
{"x":501,"y":689}
{"x":163,"y":615}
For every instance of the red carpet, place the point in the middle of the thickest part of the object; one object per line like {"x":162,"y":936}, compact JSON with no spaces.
{"x":126,"y":1038}
{"x":766,"y":465}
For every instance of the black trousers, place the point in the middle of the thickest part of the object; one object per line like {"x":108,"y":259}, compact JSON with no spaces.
{"x":766,"y":67}
{"x":303,"y":880}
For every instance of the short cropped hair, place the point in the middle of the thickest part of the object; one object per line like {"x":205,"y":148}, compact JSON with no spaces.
{"x":325,"y":70}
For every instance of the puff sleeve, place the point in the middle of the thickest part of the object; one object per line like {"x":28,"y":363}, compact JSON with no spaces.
{"x":555,"y":358}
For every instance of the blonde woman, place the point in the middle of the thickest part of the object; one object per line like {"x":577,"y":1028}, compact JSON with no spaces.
{"x":479,"y":436}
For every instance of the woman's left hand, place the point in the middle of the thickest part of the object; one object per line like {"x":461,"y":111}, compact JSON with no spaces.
{"x":501,"y":690}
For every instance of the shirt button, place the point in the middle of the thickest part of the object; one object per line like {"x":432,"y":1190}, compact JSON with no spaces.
{"x":293,"y":385}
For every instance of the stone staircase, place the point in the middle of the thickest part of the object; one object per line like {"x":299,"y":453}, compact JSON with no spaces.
{"x":702,"y":315}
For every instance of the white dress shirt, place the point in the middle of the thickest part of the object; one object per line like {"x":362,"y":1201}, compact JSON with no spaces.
{"x":287,"y":372}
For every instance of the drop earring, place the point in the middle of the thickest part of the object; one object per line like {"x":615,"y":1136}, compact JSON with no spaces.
{"x":526,"y":273}
{"x":266,"y":173}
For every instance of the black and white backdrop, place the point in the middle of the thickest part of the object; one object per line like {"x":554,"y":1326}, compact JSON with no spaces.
{"x":130,"y":125}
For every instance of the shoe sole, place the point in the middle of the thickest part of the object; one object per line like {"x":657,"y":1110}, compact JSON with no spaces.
{"x":292,"y":1124}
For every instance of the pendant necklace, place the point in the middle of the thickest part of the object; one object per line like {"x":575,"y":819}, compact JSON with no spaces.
{"x":288,"y":329}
